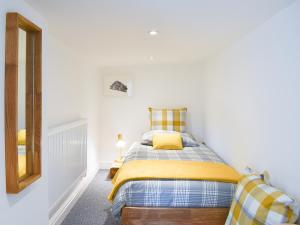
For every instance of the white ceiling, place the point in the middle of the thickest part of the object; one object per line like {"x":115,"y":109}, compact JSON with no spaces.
{"x":114,"y":32}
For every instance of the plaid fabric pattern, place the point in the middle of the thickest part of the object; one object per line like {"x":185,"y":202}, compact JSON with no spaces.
{"x":257,"y":203}
{"x":172,"y":193}
{"x":168,"y":119}
{"x":200,"y":153}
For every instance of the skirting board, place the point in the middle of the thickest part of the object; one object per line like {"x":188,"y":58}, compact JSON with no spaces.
{"x":62,"y":211}
{"x":68,"y":192}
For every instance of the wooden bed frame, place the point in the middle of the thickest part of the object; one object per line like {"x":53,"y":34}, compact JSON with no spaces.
{"x":173,"y":216}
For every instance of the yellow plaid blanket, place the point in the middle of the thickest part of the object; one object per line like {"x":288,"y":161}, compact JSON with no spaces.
{"x":257,"y":203}
{"x":172,"y":169}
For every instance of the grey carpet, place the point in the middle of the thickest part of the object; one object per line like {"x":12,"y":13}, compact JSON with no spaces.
{"x":93,"y":208}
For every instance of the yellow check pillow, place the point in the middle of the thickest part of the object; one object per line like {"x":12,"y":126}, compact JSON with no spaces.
{"x":22,"y":137}
{"x":167,"y":141}
{"x":168,"y":119}
{"x":257,"y":203}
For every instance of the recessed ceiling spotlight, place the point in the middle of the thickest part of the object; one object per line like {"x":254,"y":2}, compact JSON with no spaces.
{"x":153,"y":32}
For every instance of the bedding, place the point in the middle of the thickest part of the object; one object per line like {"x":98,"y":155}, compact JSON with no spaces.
{"x":167,"y":141}
{"x":187,"y":139}
{"x":21,"y":160}
{"x":256,"y":202}
{"x":168,"y":119}
{"x":22,"y":137}
{"x":173,"y":169}
{"x":22,"y":152}
{"x":172,"y":193}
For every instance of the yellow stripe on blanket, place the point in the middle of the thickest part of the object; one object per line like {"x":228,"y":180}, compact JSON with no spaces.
{"x":172,"y":169}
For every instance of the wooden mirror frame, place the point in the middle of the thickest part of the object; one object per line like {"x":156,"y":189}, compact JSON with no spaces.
{"x":14,"y":21}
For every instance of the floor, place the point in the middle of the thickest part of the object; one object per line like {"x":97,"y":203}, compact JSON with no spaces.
{"x":93,"y":208}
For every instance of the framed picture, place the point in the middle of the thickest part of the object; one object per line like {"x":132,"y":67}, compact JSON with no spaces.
{"x":117,"y":86}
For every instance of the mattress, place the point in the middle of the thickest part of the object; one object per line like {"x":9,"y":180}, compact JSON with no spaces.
{"x":173,"y":193}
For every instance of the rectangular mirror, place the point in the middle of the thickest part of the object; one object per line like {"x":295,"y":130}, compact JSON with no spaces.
{"x":23,"y":101}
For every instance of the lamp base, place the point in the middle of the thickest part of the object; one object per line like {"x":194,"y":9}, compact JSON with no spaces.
{"x":119,"y":160}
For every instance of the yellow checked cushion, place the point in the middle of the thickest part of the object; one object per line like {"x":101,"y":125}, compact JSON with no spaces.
{"x":257,"y":203}
{"x":168,"y":119}
{"x":22,"y":137}
{"x":167,"y":141}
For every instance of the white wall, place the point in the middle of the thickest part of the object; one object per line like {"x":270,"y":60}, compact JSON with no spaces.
{"x":73,"y":86}
{"x":66,"y":98}
{"x":153,"y":85}
{"x":31,"y":205}
{"x":252,"y":107}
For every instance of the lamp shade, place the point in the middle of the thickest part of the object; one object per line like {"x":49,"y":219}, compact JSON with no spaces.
{"x":120,"y":137}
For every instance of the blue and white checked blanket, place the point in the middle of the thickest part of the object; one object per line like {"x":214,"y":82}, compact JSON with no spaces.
{"x":172,"y":193}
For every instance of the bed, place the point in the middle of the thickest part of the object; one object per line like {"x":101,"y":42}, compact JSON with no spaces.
{"x":172,"y":201}
{"x":22,"y":160}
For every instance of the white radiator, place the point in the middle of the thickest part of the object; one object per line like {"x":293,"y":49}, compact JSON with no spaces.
{"x":67,"y":161}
